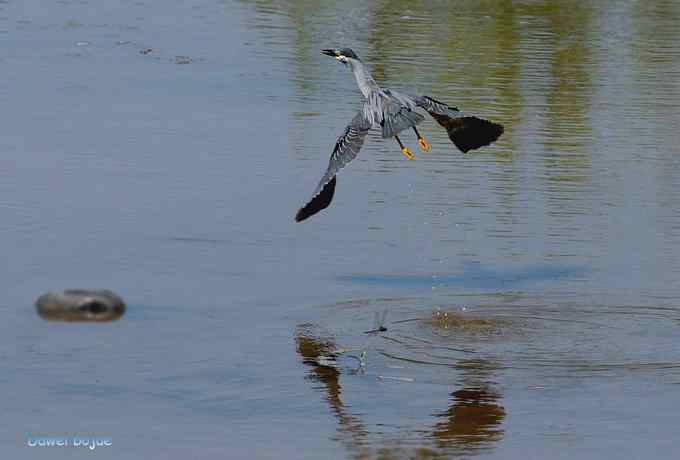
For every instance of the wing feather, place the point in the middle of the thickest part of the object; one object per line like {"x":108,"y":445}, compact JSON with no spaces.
{"x":346,"y":149}
{"x":398,"y":114}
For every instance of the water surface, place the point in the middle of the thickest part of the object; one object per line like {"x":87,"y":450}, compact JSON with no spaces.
{"x":161,"y":150}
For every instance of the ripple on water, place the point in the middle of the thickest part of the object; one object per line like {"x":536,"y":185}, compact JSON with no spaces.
{"x":465,"y":352}
{"x":548,"y":336}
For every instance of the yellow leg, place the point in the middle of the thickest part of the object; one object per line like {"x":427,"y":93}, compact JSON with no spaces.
{"x":424,"y":146}
{"x":405,"y":150}
{"x":407,"y":153}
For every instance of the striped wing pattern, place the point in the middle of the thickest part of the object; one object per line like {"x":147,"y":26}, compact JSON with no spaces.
{"x":346,"y":149}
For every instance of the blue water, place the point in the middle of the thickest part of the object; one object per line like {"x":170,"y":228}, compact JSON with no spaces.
{"x":161,"y":150}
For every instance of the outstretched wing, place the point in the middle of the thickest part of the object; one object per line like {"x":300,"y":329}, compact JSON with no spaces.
{"x":467,"y":132}
{"x":346,"y":149}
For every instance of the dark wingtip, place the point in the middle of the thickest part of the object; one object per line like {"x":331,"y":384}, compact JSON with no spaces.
{"x":319,"y":202}
{"x":472,"y":133}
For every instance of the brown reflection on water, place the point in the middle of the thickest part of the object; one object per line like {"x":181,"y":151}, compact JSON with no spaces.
{"x":564,"y":36}
{"x":471,"y":423}
{"x":474,"y":418}
{"x":311,"y":346}
{"x":655,"y":53}
{"x":530,"y":66}
{"x":588,"y":95}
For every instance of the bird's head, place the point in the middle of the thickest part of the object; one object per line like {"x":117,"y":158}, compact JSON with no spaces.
{"x":344,"y":55}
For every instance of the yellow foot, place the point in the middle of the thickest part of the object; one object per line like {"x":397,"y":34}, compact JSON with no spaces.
{"x":424,"y":146}
{"x":407,"y":153}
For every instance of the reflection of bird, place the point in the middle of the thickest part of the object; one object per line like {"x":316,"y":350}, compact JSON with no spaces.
{"x":393,"y":112}
{"x":472,"y":420}
{"x":311,"y":348}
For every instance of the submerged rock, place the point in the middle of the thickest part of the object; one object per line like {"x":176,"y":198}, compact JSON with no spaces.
{"x":80,"y":305}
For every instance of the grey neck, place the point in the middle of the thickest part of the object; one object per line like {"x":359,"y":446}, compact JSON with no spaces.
{"x":363,"y":77}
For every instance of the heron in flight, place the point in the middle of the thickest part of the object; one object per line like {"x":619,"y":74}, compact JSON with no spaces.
{"x":393,"y":113}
